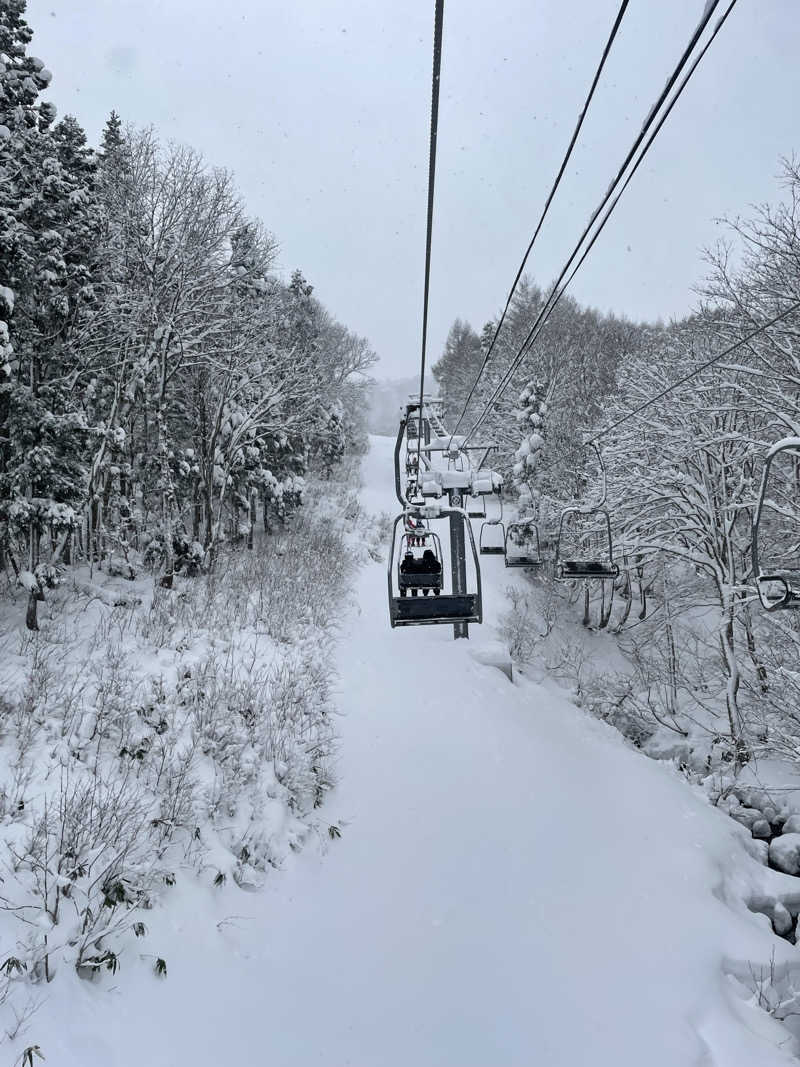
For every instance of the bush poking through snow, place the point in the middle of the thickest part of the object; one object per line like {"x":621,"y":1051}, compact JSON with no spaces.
{"x":128,"y":770}
{"x":26,"y":1060}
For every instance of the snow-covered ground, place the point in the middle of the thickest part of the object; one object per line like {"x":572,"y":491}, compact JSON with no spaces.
{"x":513,"y":885}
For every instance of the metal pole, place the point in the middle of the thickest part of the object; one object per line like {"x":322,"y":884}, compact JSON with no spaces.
{"x":458,"y":559}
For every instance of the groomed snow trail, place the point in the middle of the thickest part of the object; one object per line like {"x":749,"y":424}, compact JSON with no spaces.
{"x":513,"y":886}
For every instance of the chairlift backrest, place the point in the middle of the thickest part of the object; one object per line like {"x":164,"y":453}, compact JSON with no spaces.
{"x":778,"y":587}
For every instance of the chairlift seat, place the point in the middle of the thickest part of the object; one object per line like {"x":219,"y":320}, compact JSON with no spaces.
{"x":524,"y":561}
{"x":588,"y":568}
{"x":424,"y":611}
{"x":491,"y":550}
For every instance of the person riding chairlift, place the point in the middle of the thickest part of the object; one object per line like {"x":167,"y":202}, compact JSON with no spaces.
{"x":428,"y":565}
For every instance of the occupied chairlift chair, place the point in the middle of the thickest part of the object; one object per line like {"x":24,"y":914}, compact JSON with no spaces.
{"x":778,"y":587}
{"x":441,"y":608}
{"x":599,"y":565}
{"x":485,"y":548}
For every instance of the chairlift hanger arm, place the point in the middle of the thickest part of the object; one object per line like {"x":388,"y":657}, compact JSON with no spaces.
{"x":398,"y":486}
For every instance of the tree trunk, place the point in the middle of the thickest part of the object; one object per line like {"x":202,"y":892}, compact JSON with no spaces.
{"x":197,"y":509}
{"x":253,"y":516}
{"x":168,"y":500}
{"x":31,"y":620}
{"x":733,"y":678}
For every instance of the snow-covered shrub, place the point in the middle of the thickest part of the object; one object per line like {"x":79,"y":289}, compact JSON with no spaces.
{"x":239,"y":744}
{"x":528,"y":622}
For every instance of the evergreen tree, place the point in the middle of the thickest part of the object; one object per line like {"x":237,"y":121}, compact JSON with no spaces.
{"x":48,"y":227}
{"x":112,"y":138}
{"x":455,"y":371}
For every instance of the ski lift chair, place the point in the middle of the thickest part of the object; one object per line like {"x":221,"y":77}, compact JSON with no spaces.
{"x":778,"y":587}
{"x":521,"y":544}
{"x":476,"y":507}
{"x":599,"y":564}
{"x":441,"y":608}
{"x":587,"y":565}
{"x":493,"y":550}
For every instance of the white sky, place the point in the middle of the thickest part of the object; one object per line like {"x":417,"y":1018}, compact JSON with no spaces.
{"x":320,"y":107}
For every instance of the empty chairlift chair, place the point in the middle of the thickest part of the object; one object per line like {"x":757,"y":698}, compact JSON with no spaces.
{"x":777,"y":572}
{"x":486,"y":543}
{"x":588,"y":561}
{"x":485,"y":482}
{"x":521,"y":544}
{"x":424,"y":572}
{"x":476,"y":507}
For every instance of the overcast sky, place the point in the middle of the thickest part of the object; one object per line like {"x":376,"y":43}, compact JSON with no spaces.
{"x":321,"y":107}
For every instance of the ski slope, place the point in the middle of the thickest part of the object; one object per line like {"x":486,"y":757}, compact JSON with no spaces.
{"x":513,"y":886}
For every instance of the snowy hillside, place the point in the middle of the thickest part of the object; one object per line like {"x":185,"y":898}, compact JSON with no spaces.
{"x":513,"y":884}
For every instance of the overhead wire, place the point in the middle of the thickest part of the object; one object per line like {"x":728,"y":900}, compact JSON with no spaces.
{"x":437,"y":69}
{"x":550,"y":305}
{"x":555,"y":294}
{"x":553,"y":189}
{"x":694,"y":373}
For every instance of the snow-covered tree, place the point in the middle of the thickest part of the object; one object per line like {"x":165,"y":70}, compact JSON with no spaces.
{"x":48,"y":229}
{"x":531,"y":418}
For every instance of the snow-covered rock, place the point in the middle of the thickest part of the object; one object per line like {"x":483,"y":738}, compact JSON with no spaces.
{"x":784,"y":853}
{"x":792,"y":825}
{"x":761,"y":828}
{"x":759,"y":850}
{"x":782,"y":921}
{"x":746,"y":816}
